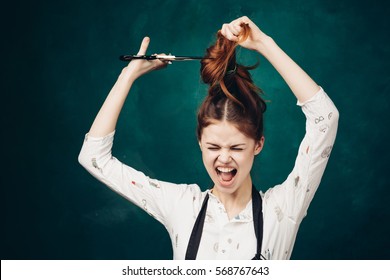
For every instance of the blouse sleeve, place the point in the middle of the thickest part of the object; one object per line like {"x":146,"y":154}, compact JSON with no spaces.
{"x":293,"y":196}
{"x":156,"y":197}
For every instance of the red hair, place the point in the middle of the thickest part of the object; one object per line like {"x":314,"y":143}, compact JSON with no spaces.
{"x":232,"y":95}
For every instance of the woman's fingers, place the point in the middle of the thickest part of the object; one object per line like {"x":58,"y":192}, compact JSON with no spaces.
{"x":230,"y":32}
{"x":139,"y":67}
{"x":233,"y":29}
{"x":144,"y":46}
{"x":154,"y":64}
{"x":241,"y":20}
{"x":161,"y":63}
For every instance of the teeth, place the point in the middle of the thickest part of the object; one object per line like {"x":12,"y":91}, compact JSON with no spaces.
{"x":225,"y":169}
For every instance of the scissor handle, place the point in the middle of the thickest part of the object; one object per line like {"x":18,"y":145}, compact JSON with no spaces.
{"x":165,"y":57}
{"x":131,"y":57}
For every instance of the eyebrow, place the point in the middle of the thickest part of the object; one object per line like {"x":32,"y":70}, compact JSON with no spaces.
{"x":236,"y":145}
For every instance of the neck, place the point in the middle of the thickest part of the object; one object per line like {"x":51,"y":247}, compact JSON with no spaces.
{"x":235,"y":202}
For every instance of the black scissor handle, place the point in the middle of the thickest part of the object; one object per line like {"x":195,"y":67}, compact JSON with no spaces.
{"x":131,"y":57}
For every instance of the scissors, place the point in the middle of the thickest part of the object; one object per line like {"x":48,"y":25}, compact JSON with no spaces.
{"x":158,"y":56}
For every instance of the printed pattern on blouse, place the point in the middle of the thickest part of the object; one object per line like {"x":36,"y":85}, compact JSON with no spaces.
{"x":176,"y":205}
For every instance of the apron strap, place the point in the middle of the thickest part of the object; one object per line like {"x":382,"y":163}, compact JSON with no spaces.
{"x":193,"y":244}
{"x":257,"y":208}
{"x":196,"y":235}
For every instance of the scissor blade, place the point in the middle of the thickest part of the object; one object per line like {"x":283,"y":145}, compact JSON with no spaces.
{"x":178,"y":58}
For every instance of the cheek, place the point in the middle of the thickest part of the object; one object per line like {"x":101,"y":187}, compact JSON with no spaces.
{"x":208,"y":158}
{"x":245,"y":160}
{"x":208,"y":163}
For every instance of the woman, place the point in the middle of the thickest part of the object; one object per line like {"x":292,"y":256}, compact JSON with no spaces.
{"x":229,"y":221}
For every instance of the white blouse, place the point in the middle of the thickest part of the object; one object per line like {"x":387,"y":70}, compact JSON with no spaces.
{"x":176,"y":206}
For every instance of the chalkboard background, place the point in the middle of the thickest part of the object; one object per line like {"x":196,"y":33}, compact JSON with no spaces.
{"x":60,"y":59}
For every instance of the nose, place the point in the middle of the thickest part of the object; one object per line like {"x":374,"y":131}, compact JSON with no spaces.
{"x":224,"y":156}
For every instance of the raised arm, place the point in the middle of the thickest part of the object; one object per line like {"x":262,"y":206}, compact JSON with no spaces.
{"x":299,"y":82}
{"x":106,"y":119}
{"x":289,"y":201}
{"x":153,"y":196}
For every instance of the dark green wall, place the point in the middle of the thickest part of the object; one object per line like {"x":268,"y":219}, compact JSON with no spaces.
{"x":60,"y":59}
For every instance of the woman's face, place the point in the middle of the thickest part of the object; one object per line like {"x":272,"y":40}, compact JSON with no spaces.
{"x":228,"y":156}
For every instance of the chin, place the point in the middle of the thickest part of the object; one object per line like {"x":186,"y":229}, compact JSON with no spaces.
{"x":227,"y":189}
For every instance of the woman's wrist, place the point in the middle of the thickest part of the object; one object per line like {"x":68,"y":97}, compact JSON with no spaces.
{"x":265,"y":45}
{"x":127,"y":75}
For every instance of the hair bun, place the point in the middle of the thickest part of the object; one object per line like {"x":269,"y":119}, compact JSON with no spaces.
{"x":232,"y":95}
{"x":218,"y":57}
{"x":220,"y":70}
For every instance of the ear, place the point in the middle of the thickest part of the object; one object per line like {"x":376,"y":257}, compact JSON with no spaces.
{"x":200,"y":145}
{"x":259,"y":145}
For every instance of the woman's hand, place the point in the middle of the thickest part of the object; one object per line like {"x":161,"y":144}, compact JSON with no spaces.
{"x":256,"y":38}
{"x":300,"y":83}
{"x":106,"y":120}
{"x":138,"y":67}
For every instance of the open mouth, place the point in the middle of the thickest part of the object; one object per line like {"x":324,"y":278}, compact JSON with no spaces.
{"x":226,"y":174}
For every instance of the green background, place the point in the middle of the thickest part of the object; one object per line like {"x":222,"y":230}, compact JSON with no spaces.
{"x":60,"y":59}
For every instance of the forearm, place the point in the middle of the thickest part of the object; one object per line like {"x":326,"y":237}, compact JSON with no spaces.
{"x":106,"y":120}
{"x":296,"y":78}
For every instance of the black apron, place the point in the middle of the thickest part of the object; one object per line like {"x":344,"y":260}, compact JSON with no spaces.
{"x":196,"y":235}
